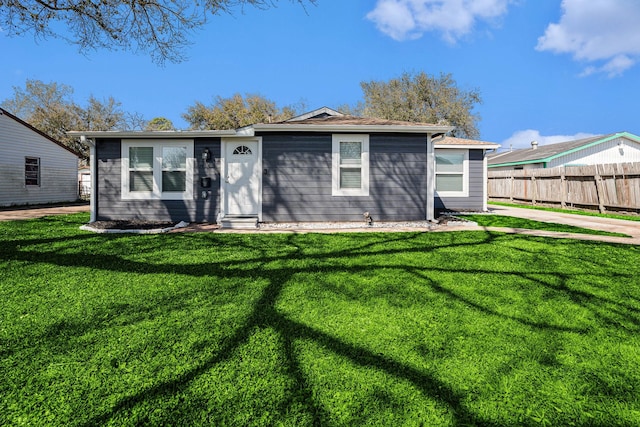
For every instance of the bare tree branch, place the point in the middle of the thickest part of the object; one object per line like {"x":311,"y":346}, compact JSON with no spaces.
{"x":161,"y":28}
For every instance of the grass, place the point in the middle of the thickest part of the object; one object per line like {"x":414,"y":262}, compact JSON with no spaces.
{"x":465,"y":328}
{"x":513,"y":222}
{"x":571,"y":211}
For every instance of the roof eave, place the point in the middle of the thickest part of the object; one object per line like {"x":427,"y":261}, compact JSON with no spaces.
{"x":39,"y":132}
{"x":487,"y":146}
{"x":169,"y":134}
{"x":527,"y":162}
{"x":591,"y":144}
{"x":278,"y":127}
{"x":548,"y":159}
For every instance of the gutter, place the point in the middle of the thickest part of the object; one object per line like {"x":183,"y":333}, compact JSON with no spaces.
{"x":251,"y":130}
{"x":162,"y":134}
{"x":468,"y":146}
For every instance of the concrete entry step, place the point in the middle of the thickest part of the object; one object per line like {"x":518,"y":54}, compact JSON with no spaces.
{"x":239,"y":223}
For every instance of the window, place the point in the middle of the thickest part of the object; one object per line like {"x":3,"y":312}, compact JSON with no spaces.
{"x":452,"y":171}
{"x":242,"y":150}
{"x":157,"y":170}
{"x":32,"y":171}
{"x":350,"y":175}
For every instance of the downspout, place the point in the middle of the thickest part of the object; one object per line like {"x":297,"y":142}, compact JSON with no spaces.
{"x":94,"y":177}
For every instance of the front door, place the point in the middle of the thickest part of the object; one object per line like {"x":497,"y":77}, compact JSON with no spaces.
{"x":242,"y":177}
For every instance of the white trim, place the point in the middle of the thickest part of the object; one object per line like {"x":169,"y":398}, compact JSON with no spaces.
{"x":337,"y":128}
{"x":152,"y":135}
{"x":485,"y":180}
{"x":465,"y":173}
{"x":335,"y":165}
{"x":431,"y":179}
{"x":156,"y":193}
{"x":249,"y":131}
{"x":488,"y":146}
{"x":93,"y":198}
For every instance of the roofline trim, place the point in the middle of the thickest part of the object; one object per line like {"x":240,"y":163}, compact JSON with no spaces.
{"x":321,"y":110}
{"x":39,"y":132}
{"x":172,"y":134}
{"x":355,"y":128}
{"x":526,"y":162}
{"x":546,"y":160}
{"x":487,"y":145}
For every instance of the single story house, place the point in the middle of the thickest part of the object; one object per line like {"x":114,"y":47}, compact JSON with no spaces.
{"x":320,"y":166}
{"x":622,"y":147}
{"x":34,"y":167}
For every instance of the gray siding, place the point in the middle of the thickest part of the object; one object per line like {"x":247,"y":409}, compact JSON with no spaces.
{"x":475,"y":200}
{"x":110,"y":205}
{"x":58,"y":167}
{"x":297,"y":182}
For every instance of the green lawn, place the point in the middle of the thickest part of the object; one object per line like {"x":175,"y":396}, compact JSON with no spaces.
{"x":464,"y":328}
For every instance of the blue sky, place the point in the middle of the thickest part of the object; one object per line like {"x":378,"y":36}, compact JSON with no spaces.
{"x":547,"y":70}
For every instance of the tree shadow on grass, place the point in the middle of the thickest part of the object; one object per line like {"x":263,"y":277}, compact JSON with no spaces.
{"x":275,"y":270}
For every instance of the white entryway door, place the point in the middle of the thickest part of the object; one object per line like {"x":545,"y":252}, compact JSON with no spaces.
{"x":242,"y":177}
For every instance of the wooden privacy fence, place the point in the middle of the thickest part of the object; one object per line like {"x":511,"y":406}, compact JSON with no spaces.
{"x":602,"y":187}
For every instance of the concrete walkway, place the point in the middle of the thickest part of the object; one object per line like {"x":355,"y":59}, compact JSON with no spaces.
{"x":28,"y":212}
{"x":630,"y":228}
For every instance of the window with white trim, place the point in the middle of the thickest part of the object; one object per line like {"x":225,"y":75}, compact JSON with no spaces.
{"x":32,"y":171}
{"x":157,"y":169}
{"x":350,"y":165}
{"x":452,"y":172}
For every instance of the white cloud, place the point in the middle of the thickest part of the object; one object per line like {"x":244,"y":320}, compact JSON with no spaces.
{"x":604,"y":33}
{"x":523,"y":138}
{"x":410,"y":19}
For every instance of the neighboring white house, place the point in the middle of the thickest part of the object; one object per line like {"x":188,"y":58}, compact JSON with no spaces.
{"x":620,"y":147}
{"x":34,"y":168}
{"x":84,"y":182}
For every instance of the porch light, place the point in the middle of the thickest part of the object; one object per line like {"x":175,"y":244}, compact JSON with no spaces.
{"x":206,"y":155}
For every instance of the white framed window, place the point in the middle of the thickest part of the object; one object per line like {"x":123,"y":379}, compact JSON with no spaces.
{"x":159,"y":169}
{"x":452,"y":172}
{"x":350,"y":165}
{"x":32,"y":171}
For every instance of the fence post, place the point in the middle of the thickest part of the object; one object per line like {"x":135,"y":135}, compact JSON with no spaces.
{"x":563,"y":190}
{"x":511,"y":190}
{"x":534,"y":190}
{"x":599,"y":191}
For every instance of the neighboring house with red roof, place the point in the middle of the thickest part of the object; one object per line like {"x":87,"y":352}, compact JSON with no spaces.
{"x":622,"y":147}
{"x":34,"y":168}
{"x":319,"y":166}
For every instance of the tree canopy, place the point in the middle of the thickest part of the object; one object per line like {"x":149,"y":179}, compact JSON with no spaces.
{"x":159,"y":123}
{"x":50,"y":108}
{"x":158,"y":27}
{"x":235,"y":112}
{"x":424,"y":98}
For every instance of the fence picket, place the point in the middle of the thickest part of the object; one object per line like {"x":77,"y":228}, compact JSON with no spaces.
{"x":611,"y":186}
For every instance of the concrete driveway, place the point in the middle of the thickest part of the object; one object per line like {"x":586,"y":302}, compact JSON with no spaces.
{"x":25,"y":212}
{"x":631,"y":228}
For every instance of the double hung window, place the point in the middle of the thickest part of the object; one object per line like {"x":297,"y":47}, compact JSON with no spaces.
{"x":32,"y":171}
{"x":157,"y":170}
{"x":452,"y":172}
{"x":350,"y":165}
